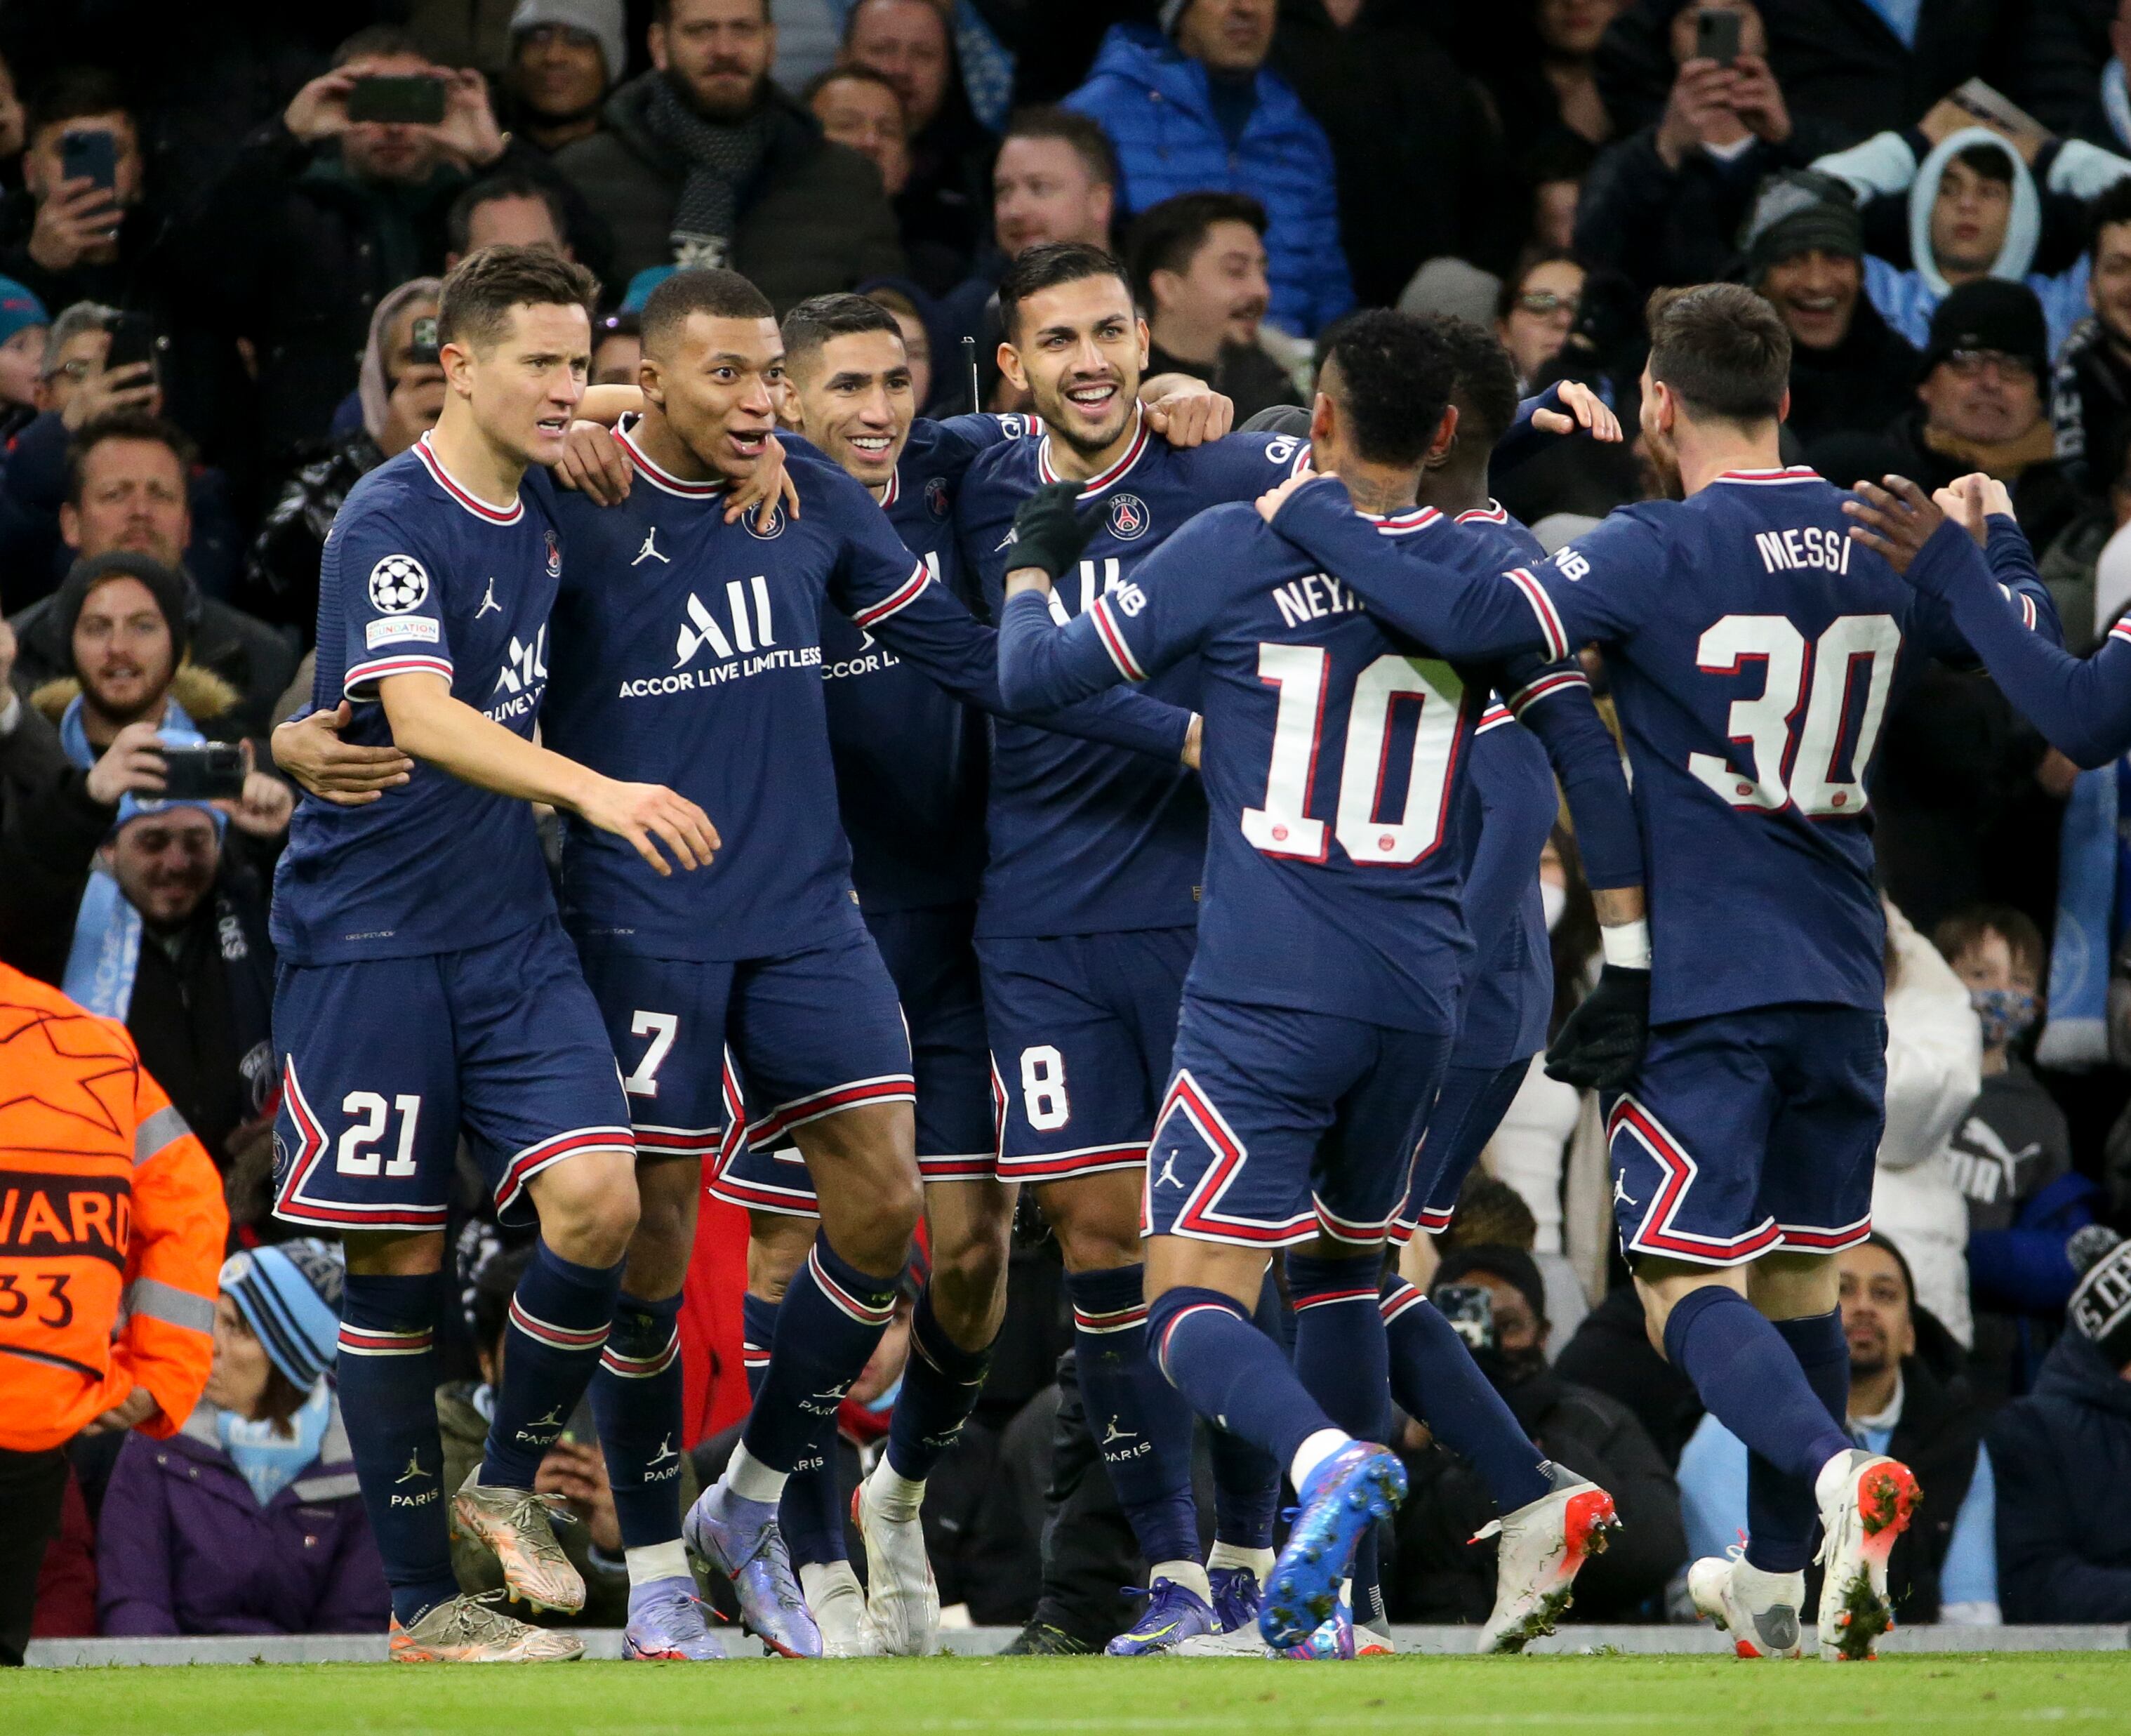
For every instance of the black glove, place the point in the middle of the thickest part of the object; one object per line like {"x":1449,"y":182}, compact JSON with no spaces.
{"x":1602,"y":1045}
{"x":1049,"y":531}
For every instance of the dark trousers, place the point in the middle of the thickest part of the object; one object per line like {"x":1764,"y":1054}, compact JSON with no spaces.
{"x":1090,"y":1553}
{"x":32,"y":1487}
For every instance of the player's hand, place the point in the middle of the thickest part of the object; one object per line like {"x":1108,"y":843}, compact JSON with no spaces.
{"x":595,"y":465}
{"x":1972,"y":499}
{"x":132,"y":764}
{"x":1894,"y":521}
{"x":649,"y":815}
{"x":1050,"y":530}
{"x":1600,"y":1046}
{"x":1274,"y":498}
{"x":1195,"y":741}
{"x":768,"y":487}
{"x":1191,"y":418}
{"x":1586,"y":410}
{"x":131,"y":1412}
{"x":311,"y":751}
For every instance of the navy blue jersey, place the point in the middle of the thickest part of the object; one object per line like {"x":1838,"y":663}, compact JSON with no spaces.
{"x":418,"y":576}
{"x":1085,"y":840}
{"x":1754,"y":651}
{"x":911,"y":758}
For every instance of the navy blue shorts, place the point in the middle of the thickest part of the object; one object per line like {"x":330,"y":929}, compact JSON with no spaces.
{"x":384,"y":1062}
{"x":1468,"y":1108}
{"x":929,"y":956}
{"x":793,"y":1038}
{"x":1280,"y":1123}
{"x":1081,"y":1030}
{"x":1752,"y":1131}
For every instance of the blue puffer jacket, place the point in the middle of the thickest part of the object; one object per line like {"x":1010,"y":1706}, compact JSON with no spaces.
{"x":2063,"y":1460}
{"x":1154,"y":104}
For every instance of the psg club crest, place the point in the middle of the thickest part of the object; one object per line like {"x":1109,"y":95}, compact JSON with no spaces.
{"x":776,"y":524}
{"x":554,"y":556}
{"x":1128,"y":517}
{"x":935,"y":496}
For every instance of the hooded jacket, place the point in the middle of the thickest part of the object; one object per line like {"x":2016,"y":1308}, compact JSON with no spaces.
{"x":814,"y":218}
{"x":1895,"y":176}
{"x":1156,"y":106}
{"x":184,"y":1547}
{"x":2063,"y":1460}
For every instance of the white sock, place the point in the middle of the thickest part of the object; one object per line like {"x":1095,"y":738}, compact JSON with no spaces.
{"x":752,"y":1480}
{"x":821,"y":1579}
{"x":656,"y":1561}
{"x":1823,"y":1490}
{"x":1190,"y":1574}
{"x":893,"y":1497}
{"x":1314,"y":1452}
{"x":1258,"y":1561}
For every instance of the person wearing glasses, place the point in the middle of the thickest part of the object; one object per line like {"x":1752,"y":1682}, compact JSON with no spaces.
{"x":1537,"y":311}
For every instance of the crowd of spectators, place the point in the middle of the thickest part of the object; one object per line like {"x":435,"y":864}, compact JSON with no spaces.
{"x":219,"y":272}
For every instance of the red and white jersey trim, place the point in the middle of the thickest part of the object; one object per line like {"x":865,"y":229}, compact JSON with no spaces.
{"x":367,"y":675}
{"x":1542,"y":606}
{"x":1114,"y":641}
{"x":1094,"y":485}
{"x":463,"y":495}
{"x":897,"y":601}
{"x":1493,"y":513}
{"x":1403,"y":524}
{"x":661,"y":478}
{"x":1763,"y":478}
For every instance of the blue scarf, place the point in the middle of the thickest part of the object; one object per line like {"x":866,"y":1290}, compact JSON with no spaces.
{"x":2116,"y":101}
{"x":1899,"y":16}
{"x":2076,"y":1036}
{"x":268,"y":1460}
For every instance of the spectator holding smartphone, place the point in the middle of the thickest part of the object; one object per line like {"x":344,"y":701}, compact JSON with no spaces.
{"x":74,"y":231}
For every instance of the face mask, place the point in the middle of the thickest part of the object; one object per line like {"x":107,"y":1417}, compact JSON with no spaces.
{"x":2003,"y":1013}
{"x":1553,"y":900}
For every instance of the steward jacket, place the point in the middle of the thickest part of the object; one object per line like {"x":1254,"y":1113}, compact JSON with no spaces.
{"x":112,"y":1227}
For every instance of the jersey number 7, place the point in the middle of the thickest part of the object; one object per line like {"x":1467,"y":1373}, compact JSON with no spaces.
{"x":1799,"y":766}
{"x":1283,"y":826}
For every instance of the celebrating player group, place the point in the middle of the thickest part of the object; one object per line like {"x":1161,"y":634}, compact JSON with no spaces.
{"x":1099,"y":802}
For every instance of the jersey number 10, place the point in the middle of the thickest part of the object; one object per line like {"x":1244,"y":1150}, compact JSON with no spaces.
{"x":1283,"y":826}
{"x":1799,"y":767}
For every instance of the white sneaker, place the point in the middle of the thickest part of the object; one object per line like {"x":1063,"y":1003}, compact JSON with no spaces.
{"x":1866,"y":1501}
{"x":1758,"y":1610}
{"x":902,"y":1600}
{"x":839,"y":1605}
{"x":1543,"y":1545}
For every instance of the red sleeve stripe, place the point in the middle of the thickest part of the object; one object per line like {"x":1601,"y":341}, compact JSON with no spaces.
{"x":2122,"y":630}
{"x":1114,"y":641}
{"x":1542,"y":606}
{"x":2027,"y":610}
{"x":897,"y":601}
{"x":1494,"y":718}
{"x":368,"y":674}
{"x":1534,"y":691}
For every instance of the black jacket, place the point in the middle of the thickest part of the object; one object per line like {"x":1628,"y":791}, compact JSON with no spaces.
{"x":1940,"y":1429}
{"x":1858,"y":387}
{"x":2043,"y":497}
{"x":2061,"y":1461}
{"x":813,"y":220}
{"x":1610,"y":1353}
{"x":1245,"y":374}
{"x":2090,"y":405}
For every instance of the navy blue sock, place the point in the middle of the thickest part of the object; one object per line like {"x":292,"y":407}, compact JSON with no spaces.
{"x":556,"y":1329}
{"x":1749,"y":1380}
{"x":831,"y":1319}
{"x":1142,"y":1426}
{"x":387,"y":1372}
{"x":1231,"y":1372}
{"x":942,"y":1383}
{"x":1435,"y":1381}
{"x":758,"y":1332}
{"x":636,"y":1407}
{"x":810,"y":1513}
{"x":1367,"y":1575}
{"x":1340,"y":1352}
{"x":1246,"y":1479}
{"x":1781,"y":1512}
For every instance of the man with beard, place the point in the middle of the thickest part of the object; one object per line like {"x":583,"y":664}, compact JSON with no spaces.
{"x":1198,"y":272}
{"x":704,"y":161}
{"x":2091,"y":392}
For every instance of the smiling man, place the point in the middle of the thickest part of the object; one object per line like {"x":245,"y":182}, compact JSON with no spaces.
{"x":1198,"y":274}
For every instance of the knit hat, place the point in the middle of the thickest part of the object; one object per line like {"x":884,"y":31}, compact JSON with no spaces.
{"x":173,"y":595}
{"x":289,"y":1293}
{"x":598,"y":18}
{"x":1794,"y":212}
{"x":1512,"y":1265}
{"x":19,"y":308}
{"x":1990,"y":314}
{"x":2100,"y":1305}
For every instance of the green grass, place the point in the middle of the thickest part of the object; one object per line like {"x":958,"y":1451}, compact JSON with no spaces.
{"x":1706,"y":1696}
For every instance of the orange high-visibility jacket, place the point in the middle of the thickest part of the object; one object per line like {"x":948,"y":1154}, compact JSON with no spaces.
{"x":112,"y":1227}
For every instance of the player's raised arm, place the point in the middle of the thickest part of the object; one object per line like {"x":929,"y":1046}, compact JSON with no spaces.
{"x":429,"y":724}
{"x":2083,"y":706}
{"x":1562,"y":408}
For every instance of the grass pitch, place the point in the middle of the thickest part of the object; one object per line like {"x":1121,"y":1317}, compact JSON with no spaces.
{"x":1173,"y":1697}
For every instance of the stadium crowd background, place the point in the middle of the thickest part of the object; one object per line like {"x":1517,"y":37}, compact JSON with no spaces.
{"x":198,"y":357}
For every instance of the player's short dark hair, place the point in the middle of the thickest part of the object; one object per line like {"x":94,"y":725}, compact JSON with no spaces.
{"x":74,"y":93}
{"x":1048,"y":265}
{"x":1722,"y":348}
{"x":720,"y":293}
{"x":1967,"y":927}
{"x":820,"y":317}
{"x":458,"y":221}
{"x":480,"y":289}
{"x":2113,"y":207}
{"x":1992,"y":162}
{"x":380,"y":42}
{"x":1098,"y":155}
{"x":835,"y":74}
{"x":1167,"y":236}
{"x":1483,"y":380}
{"x":125,"y":425}
{"x":1394,"y":378}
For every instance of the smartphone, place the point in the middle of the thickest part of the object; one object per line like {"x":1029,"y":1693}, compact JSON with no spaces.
{"x":206,"y":772}
{"x":415,"y":99}
{"x":424,"y":351}
{"x":1470,"y":1309}
{"x":133,"y":338}
{"x":1716,"y":35}
{"x":89,"y":154}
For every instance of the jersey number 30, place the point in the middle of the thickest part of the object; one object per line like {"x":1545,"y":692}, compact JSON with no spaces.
{"x":1799,"y":766}
{"x":1283,"y":826}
